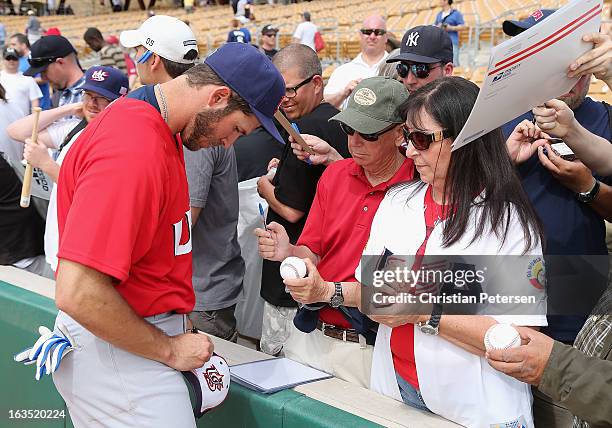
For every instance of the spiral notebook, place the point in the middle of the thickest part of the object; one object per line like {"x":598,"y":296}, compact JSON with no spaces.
{"x":274,"y":374}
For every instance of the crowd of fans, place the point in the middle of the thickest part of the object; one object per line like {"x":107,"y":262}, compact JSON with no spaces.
{"x":380,"y":181}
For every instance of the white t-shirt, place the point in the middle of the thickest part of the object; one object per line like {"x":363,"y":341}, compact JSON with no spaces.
{"x":9,"y":113}
{"x":58,"y":132}
{"x":306,"y":33}
{"x":20,"y":90}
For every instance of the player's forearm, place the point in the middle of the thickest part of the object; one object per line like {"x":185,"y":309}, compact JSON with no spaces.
{"x":336,"y":99}
{"x":22,"y":128}
{"x":290,"y":214}
{"x":602,"y":204}
{"x":91,"y":299}
{"x":51,"y":168}
{"x":465,"y":331}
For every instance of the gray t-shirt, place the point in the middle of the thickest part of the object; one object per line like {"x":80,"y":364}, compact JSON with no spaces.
{"x":218,"y":268}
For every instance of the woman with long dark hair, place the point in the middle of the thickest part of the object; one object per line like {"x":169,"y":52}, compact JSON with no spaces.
{"x":470,"y":203}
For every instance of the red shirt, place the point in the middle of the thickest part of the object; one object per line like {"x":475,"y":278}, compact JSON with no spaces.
{"x":402,"y":337}
{"x":129,"y":65}
{"x":123,"y":207}
{"x":339,"y":221}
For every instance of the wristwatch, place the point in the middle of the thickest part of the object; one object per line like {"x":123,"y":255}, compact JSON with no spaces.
{"x":589,"y":196}
{"x":337,"y":299}
{"x":432,"y":325}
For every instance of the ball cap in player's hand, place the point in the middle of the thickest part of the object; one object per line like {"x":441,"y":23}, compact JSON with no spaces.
{"x":512,"y":28}
{"x":106,"y":81}
{"x":209,"y":384}
{"x":374,"y":105}
{"x":167,"y":36}
{"x":426,"y":44}
{"x":45,"y":51}
{"x":253,"y":76}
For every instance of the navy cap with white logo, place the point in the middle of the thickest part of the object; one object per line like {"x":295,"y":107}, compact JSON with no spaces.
{"x":425,"y":44}
{"x":512,"y":28}
{"x":106,"y":81}
{"x":253,"y":76}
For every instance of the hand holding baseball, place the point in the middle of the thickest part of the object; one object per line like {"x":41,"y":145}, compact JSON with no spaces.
{"x":189,"y":351}
{"x":526,"y":362}
{"x":312,"y":289}
{"x":274,"y":242}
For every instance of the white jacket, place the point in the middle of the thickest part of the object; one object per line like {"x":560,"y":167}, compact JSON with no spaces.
{"x":454,"y":383}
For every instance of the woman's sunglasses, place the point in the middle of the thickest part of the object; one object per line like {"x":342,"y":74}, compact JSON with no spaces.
{"x":368,"y":137}
{"x":421,"y":140}
{"x":420,"y":71}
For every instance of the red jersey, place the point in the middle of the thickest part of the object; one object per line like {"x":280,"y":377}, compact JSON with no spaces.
{"x":338,"y":224}
{"x":123,"y":207}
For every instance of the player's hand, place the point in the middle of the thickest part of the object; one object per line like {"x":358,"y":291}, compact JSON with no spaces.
{"x":274,"y":242}
{"x":597,"y":61}
{"x":312,"y":289}
{"x":523,"y":142}
{"x":555,"y":118}
{"x":527,"y":362}
{"x":273,"y":163}
{"x":189,"y":351}
{"x":324,"y":153}
{"x":572,"y":174}
{"x":37,"y":154}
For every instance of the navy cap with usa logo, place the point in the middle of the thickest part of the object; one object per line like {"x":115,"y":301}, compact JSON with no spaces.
{"x":109,"y":82}
{"x":426,"y":44}
{"x":512,"y":28}
{"x":45,"y":51}
{"x":253,"y":76}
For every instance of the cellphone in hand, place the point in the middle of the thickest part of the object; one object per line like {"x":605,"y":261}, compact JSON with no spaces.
{"x":562,"y":149}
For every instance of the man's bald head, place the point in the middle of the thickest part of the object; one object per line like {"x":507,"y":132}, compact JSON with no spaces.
{"x":299,"y":57}
{"x":372,"y":42}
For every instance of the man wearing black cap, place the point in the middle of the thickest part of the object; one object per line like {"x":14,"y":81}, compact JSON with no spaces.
{"x":124,"y":278}
{"x":21,"y":90}
{"x":426,"y":54}
{"x":268,"y":40}
{"x":56,"y":59}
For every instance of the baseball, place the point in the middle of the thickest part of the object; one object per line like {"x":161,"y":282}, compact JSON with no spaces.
{"x":292,"y":268}
{"x":501,"y":336}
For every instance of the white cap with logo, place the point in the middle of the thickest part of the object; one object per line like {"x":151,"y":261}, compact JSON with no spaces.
{"x":166,"y":36}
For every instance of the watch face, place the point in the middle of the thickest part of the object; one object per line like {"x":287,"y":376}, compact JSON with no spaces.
{"x":336,"y":301}
{"x":428,"y":329}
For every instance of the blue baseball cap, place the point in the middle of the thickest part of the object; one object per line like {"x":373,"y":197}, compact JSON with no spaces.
{"x":106,"y":81}
{"x":512,"y":28}
{"x":253,"y":76}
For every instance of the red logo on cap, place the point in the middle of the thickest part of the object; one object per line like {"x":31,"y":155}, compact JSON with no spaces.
{"x":537,"y":15}
{"x":214,"y":379}
{"x":99,"y":75}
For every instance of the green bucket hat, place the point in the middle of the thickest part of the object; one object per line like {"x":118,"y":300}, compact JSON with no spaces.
{"x":374,"y":105}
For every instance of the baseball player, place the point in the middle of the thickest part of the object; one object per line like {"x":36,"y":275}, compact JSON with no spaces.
{"x":124,"y":273}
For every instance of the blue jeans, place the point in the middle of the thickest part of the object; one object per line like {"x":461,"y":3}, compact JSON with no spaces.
{"x":410,"y":395}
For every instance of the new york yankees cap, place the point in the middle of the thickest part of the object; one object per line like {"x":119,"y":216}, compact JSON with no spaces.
{"x":106,"y":81}
{"x":167,"y":36}
{"x":209,"y":384}
{"x":253,"y":76}
{"x":425,"y":44}
{"x":512,"y":28}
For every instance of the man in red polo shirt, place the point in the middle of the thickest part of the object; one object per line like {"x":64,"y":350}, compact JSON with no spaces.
{"x":333,"y":335}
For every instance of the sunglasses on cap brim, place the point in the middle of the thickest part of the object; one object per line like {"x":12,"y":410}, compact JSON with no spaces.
{"x":420,"y":71}
{"x":41,"y":61}
{"x":422,"y":140}
{"x":368,"y":137}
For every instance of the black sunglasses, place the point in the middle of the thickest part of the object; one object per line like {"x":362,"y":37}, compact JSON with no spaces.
{"x":368,"y":137}
{"x":420,"y":71}
{"x":376,"y":31}
{"x":41,"y":61}
{"x":422,"y":140}
{"x":292,"y":92}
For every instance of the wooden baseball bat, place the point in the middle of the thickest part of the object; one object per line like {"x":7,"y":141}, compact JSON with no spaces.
{"x":294,"y":134}
{"x":27,"y":178}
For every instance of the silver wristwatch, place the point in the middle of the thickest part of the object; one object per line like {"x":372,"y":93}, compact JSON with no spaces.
{"x":432,"y":325}
{"x":338,"y":298}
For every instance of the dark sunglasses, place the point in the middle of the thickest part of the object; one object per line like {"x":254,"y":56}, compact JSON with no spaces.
{"x":368,"y":137}
{"x":270,"y":34}
{"x":420,"y":71}
{"x":376,"y":31}
{"x":422,"y":140}
{"x":292,"y":92}
{"x":41,"y":61}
